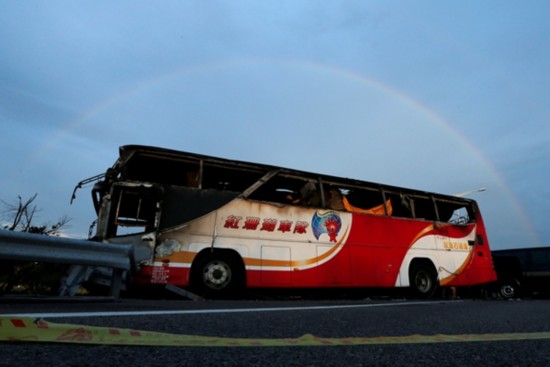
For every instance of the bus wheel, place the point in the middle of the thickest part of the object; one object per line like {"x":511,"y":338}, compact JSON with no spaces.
{"x":509,"y":288}
{"x":219,"y":276}
{"x":423,"y":280}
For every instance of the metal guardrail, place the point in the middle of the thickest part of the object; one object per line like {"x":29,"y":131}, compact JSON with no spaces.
{"x":40,"y":248}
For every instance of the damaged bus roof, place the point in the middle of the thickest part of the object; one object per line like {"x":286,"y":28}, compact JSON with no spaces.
{"x":140,"y":162}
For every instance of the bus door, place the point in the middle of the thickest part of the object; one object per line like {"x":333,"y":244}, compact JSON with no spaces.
{"x":133,"y":218}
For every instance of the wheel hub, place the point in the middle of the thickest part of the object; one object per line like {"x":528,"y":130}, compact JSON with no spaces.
{"x":508,"y":291}
{"x":217,"y":275}
{"x":423,"y":282}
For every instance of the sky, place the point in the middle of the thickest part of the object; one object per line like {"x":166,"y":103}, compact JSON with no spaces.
{"x":439,"y":96}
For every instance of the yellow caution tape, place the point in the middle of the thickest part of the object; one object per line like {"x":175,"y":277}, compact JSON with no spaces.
{"x":39,"y":330}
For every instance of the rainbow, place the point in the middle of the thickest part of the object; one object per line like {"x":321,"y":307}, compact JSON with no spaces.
{"x":86,"y":115}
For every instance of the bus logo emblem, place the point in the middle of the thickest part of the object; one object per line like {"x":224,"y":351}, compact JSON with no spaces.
{"x":328,"y":222}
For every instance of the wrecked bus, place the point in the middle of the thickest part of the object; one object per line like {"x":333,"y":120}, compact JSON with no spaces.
{"x":218,"y":226}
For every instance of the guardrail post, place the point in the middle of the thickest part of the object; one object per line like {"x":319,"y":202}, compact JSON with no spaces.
{"x":116,"y":283}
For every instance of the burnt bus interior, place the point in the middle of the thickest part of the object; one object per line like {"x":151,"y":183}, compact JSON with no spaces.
{"x":158,"y":188}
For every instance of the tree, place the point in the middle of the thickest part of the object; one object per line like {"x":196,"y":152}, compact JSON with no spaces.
{"x":22,"y":214}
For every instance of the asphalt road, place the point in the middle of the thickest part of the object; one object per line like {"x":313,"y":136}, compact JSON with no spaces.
{"x":351,"y":320}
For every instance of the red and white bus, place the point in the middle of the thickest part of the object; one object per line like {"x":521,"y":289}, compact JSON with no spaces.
{"x":218,"y":226}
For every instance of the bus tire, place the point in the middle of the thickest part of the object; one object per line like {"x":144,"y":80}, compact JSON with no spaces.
{"x":219,"y":274}
{"x":509,"y":288}
{"x":423,"y":279}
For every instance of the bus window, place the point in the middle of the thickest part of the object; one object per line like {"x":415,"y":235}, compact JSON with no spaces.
{"x":222,"y":178}
{"x":336,"y":198}
{"x":424,"y":208}
{"x":135,"y":212}
{"x":308,"y":195}
{"x":459,"y":216}
{"x":146,"y":168}
{"x":455,"y":212}
{"x":289,"y":190}
{"x":365,"y":201}
{"x":402,"y":204}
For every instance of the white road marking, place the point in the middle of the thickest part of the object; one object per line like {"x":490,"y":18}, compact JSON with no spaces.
{"x":195,"y":312}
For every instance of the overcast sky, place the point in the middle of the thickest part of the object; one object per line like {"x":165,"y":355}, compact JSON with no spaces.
{"x":440,"y":96}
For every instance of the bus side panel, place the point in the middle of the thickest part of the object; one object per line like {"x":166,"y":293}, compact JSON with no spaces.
{"x":280,"y":278}
{"x":386,"y":240}
{"x":370,"y":257}
{"x":286,"y":246}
